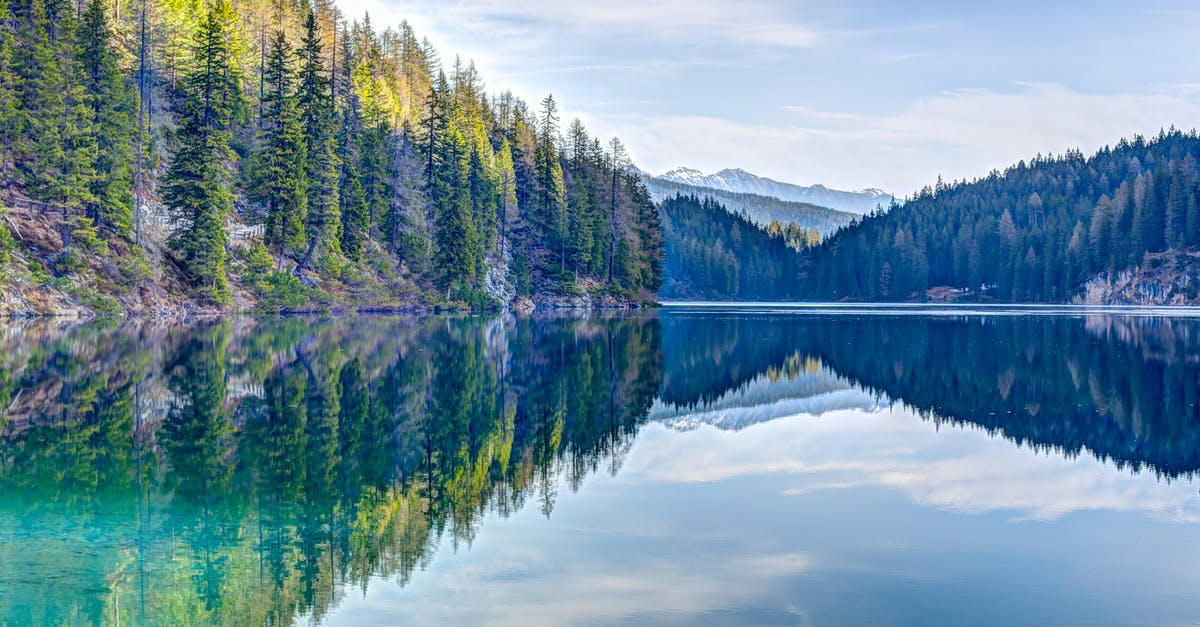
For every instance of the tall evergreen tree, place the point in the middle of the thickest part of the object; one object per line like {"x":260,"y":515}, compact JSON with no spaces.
{"x":8,"y":88}
{"x":506,"y":206}
{"x":112,"y":105}
{"x":457,"y":252}
{"x":280,"y":163}
{"x":197,"y":185}
{"x":57,"y":128}
{"x":352,"y":200}
{"x":551,"y":190}
{"x":322,"y":164}
{"x":408,"y":214}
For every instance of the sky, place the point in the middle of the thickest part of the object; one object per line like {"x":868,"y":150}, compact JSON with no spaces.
{"x":851,"y":94}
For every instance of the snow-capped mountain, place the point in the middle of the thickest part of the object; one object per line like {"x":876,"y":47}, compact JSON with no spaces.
{"x":762,"y":210}
{"x":741,"y":181}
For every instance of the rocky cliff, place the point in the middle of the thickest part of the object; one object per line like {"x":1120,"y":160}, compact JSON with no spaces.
{"x":1169,"y":278}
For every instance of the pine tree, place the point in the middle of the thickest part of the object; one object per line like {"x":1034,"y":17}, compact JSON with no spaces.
{"x":551,"y":190}
{"x":1176,"y":214}
{"x":1192,"y":221}
{"x":280,"y":162}
{"x":617,"y":161}
{"x":8,"y":89}
{"x":322,"y":164}
{"x":197,"y":186}
{"x":408,"y":219}
{"x":56,"y":131}
{"x":457,"y":248}
{"x":373,"y":172}
{"x":483,"y":196}
{"x":651,"y":239}
{"x":353,"y":202}
{"x":506,"y":207}
{"x":112,"y":104}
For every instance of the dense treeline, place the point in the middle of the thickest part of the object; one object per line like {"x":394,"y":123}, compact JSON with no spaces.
{"x":1035,"y":232}
{"x":718,"y":255}
{"x":246,"y":473}
{"x":357,"y":151}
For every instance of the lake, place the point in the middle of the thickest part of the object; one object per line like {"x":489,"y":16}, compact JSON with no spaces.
{"x":706,"y":465}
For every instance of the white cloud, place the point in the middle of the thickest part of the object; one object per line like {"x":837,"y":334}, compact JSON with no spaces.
{"x":725,"y":81}
{"x":752,"y":22}
{"x":958,"y":134}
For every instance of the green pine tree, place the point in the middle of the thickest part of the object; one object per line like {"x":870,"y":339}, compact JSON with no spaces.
{"x":57,"y":130}
{"x":197,"y":185}
{"x":112,"y":104}
{"x":280,"y":162}
{"x":322,"y":164}
{"x":457,"y":252}
{"x":352,"y":200}
{"x":8,"y":90}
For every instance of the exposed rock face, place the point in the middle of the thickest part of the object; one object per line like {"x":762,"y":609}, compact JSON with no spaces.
{"x":496,"y":282}
{"x":583,"y":301}
{"x":1162,"y":279}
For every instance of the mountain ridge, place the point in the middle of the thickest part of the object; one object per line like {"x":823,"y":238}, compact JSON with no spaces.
{"x":759,"y":209}
{"x":738,"y":180}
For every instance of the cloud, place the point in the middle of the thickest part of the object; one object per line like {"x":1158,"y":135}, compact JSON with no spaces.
{"x":958,"y":470}
{"x":527,"y":23}
{"x":753,"y":22}
{"x":961,"y":133}
{"x":510,"y":581}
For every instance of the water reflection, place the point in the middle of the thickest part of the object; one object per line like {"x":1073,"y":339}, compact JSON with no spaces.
{"x":260,"y":471}
{"x":250,"y":472}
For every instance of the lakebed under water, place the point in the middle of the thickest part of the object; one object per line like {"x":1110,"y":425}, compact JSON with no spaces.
{"x":694,"y":465}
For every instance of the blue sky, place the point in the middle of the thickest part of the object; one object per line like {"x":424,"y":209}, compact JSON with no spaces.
{"x":851,"y":94}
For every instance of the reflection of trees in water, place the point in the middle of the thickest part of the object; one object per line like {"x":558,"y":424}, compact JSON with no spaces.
{"x":252,"y":472}
{"x":1125,"y":388}
{"x":246,"y":471}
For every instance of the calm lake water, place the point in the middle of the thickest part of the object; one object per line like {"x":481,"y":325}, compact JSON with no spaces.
{"x":697,"y":465}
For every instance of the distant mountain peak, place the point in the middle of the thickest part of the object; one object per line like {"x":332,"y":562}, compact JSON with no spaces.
{"x":740,"y":181}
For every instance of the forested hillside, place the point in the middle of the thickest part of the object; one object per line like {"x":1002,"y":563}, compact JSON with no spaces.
{"x":284,"y":155}
{"x":713,"y":254}
{"x":1037,"y":232}
{"x":762,"y":210}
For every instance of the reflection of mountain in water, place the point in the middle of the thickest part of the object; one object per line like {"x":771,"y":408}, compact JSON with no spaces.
{"x":1125,"y":388}
{"x":768,"y":397}
{"x":253,"y":472}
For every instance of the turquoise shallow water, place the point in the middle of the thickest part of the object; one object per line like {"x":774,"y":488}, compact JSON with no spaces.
{"x":697,"y":465}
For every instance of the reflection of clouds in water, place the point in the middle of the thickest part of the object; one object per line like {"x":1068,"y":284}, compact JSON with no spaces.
{"x":959,"y":470}
{"x":505,"y":583}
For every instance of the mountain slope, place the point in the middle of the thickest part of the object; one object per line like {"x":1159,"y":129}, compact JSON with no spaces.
{"x":1037,"y":232}
{"x":342,"y":169}
{"x":713,"y":254}
{"x":740,"y":181}
{"x":762,"y":210}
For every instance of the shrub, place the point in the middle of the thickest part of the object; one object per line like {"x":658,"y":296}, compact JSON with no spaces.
{"x":282,"y":291}
{"x":70,"y":262}
{"x":102,"y":304}
{"x":134,"y":269}
{"x":7,"y":243}
{"x":38,"y":273}
{"x":85,"y":234}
